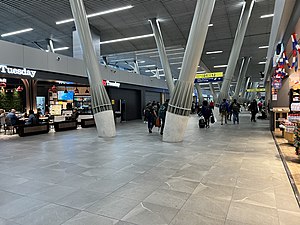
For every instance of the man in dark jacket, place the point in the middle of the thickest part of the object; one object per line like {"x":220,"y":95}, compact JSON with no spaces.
{"x":254,"y":110}
{"x":162,"y":115}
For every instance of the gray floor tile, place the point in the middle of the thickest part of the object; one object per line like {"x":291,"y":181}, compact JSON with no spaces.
{"x":7,"y":222}
{"x":7,"y":197}
{"x":48,"y":215}
{"x":113,"y":206}
{"x":178,"y":184}
{"x":252,"y":214}
{"x":149,"y":214}
{"x":214,"y":191}
{"x":207,"y":206}
{"x":288,"y":218}
{"x":192,"y":218}
{"x":90,"y":219}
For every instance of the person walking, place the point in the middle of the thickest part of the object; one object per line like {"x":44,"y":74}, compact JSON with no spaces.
{"x":235,"y":107}
{"x":223,"y":110}
{"x":162,"y":115}
{"x":151,"y":115}
{"x":212,"y":105}
{"x":253,"y":109}
{"x":206,"y":112}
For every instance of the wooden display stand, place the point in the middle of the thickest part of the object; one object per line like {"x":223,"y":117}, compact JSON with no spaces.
{"x":280,"y":115}
{"x":289,"y":137}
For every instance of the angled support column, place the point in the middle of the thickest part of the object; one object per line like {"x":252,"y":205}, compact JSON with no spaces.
{"x":213,"y":91}
{"x":199,"y":91}
{"x":101,"y":104}
{"x":253,"y":94}
{"x":136,"y":68}
{"x":181,"y":99}
{"x":236,"y":47}
{"x":50,"y":45}
{"x":238,"y":83}
{"x":244,"y":93}
{"x":241,"y":78}
{"x":162,"y":53}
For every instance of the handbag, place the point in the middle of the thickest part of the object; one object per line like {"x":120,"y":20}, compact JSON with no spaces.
{"x":157,"y":122}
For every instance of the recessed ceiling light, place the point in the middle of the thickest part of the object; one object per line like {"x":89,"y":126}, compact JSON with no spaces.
{"x":127,"y":39}
{"x":267,"y":46}
{"x":178,"y":53}
{"x":210,"y":25}
{"x":16,"y":32}
{"x":175,"y":63}
{"x":202,"y":71}
{"x":146,"y":66}
{"x":122,"y":60}
{"x":213,"y":52}
{"x":262,"y":62}
{"x":266,"y":16}
{"x":176,"y":58}
{"x":97,"y":14}
{"x":61,"y":49}
{"x":148,"y":71}
{"x":220,"y":66}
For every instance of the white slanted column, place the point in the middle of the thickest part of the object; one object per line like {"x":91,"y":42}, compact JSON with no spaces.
{"x":213,"y":91}
{"x":239,"y":81}
{"x":181,"y":99}
{"x":162,"y":53}
{"x":50,"y":46}
{"x":101,"y":104}
{"x":242,"y":79}
{"x":199,"y":91}
{"x":236,"y":48}
{"x":244,"y":93}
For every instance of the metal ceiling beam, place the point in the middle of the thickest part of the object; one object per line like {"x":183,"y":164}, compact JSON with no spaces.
{"x":236,"y":48}
{"x":101,"y":104}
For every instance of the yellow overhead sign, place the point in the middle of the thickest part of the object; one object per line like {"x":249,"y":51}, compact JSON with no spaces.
{"x":209,"y":75}
{"x":256,"y":90}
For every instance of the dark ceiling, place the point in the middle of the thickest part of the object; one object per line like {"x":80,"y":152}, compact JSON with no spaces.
{"x":175,"y":17}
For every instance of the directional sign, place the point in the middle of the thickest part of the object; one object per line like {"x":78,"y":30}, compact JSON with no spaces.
{"x":209,"y":75}
{"x":256,"y":90}
{"x":207,"y":80}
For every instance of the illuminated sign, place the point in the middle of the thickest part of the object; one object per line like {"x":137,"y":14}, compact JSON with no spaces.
{"x":207,"y":80}
{"x":3,"y":80}
{"x":16,"y":71}
{"x":256,"y":90}
{"x":209,"y":75}
{"x":110,"y":83}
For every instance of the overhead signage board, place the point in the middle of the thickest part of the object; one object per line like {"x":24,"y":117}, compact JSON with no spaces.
{"x":256,"y":90}
{"x":208,"y":80}
{"x":110,"y":83}
{"x":17,"y":71}
{"x":209,"y":75}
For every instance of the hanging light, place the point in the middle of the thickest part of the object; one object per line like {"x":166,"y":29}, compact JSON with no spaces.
{"x":66,"y":91}
{"x":19,"y":89}
{"x":76,"y":91}
{"x":87,"y":91}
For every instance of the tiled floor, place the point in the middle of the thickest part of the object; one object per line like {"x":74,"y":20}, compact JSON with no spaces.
{"x":230,"y":175}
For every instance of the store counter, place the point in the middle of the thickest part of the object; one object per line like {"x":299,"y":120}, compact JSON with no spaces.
{"x":65,"y":125}
{"x":87,"y":123}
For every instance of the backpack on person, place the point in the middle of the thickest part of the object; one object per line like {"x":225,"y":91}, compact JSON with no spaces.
{"x":223,"y":107}
{"x":235,"y":107}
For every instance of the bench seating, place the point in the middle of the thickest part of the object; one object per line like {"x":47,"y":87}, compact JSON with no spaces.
{"x":88,"y":123}
{"x":65,"y":125}
{"x":26,"y":130}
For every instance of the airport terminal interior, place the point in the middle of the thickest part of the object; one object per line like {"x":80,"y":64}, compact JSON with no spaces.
{"x":150,"y":112}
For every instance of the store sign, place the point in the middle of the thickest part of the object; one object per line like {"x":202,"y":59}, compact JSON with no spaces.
{"x":209,"y":75}
{"x":16,"y":71}
{"x":256,"y":90}
{"x":110,"y":83}
{"x":3,"y":80}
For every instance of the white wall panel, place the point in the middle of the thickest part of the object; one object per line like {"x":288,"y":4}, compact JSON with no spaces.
{"x":11,"y":54}
{"x":55,"y":65}
{"x":35,"y":58}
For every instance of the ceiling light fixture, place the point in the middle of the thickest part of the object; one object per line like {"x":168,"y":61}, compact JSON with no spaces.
{"x":267,"y":46}
{"x":122,"y":60}
{"x":16,"y":32}
{"x":210,"y":25}
{"x":262,"y":63}
{"x":266,"y":16}
{"x":202,"y":71}
{"x":220,"y":66}
{"x":61,"y":49}
{"x":97,"y":14}
{"x":178,"y":53}
{"x":148,"y":71}
{"x":127,"y":39}
{"x":213,"y":52}
{"x":175,"y":63}
{"x":146,"y":66}
{"x":176,"y":58}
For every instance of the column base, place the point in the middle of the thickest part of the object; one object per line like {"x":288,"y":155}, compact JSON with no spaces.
{"x":175,"y":127}
{"x":105,"y":124}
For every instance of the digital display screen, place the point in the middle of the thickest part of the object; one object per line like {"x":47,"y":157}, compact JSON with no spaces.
{"x":62,"y":96}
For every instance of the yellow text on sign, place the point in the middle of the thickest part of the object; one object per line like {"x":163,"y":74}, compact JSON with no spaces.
{"x":256,"y":90}
{"x":209,"y":75}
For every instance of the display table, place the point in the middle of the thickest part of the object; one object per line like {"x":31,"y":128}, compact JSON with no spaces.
{"x":26,"y":130}
{"x":87,"y":123}
{"x":65,"y":125}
